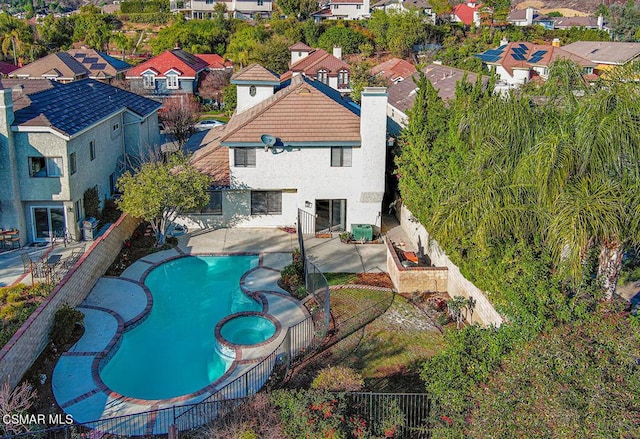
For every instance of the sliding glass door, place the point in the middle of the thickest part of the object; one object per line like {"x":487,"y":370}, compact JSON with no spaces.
{"x":331,"y":215}
{"x":47,"y":220}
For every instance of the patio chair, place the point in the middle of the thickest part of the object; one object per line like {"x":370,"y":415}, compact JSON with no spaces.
{"x":76,"y":254}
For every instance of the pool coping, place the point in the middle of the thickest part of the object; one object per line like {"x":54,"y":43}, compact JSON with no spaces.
{"x":101,"y":357}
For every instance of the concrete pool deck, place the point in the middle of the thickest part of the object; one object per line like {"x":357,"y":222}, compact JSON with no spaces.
{"x":116,"y":304}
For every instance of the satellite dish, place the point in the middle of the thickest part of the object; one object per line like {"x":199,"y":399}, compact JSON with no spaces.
{"x":268,"y":141}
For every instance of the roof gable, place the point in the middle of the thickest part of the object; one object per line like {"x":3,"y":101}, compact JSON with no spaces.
{"x":178,"y":59}
{"x":317,"y":60}
{"x":59,"y":64}
{"x":465,"y":12}
{"x":255,"y":73}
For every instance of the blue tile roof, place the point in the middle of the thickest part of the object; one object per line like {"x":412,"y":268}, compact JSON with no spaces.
{"x":73,"y":107}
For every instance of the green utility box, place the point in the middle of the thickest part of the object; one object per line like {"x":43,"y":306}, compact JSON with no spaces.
{"x":362,"y":232}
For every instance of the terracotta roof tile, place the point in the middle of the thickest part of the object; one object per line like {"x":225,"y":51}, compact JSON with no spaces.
{"x":60,"y":64}
{"x":255,"y":72}
{"x":187,"y":63}
{"x":215,"y":61}
{"x":317,"y":60}
{"x":393,"y":69}
{"x":299,"y":113}
{"x":212,"y":158}
{"x":300,"y":47}
{"x":465,"y":12}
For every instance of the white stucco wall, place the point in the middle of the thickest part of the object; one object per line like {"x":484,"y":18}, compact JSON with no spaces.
{"x":246,"y":101}
{"x":349,"y":11}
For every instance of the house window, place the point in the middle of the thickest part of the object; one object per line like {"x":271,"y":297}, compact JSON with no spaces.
{"x":335,"y":6}
{"x":214,"y":206}
{"x":72,"y":163}
{"x":266,"y":202}
{"x":252,"y":91}
{"x":45,"y":166}
{"x":172,"y":82}
{"x":244,"y":157}
{"x":322,"y":76}
{"x":341,"y":157}
{"x":343,"y":79}
{"x":209,"y":2}
{"x":358,"y":7}
{"x":260,"y":2}
{"x":92,"y":150}
{"x":116,"y":127}
{"x":149,"y":81}
{"x":78,"y":210}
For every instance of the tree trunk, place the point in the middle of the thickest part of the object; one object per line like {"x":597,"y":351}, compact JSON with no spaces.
{"x":609,"y":265}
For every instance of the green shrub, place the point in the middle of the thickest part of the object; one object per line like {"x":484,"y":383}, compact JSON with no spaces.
{"x":292,"y":276}
{"x":91,"y":201}
{"x":338,"y":379}
{"x":64,"y":323}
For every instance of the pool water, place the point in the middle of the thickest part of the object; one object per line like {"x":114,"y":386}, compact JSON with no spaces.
{"x":173,"y":351}
{"x":248,"y":330}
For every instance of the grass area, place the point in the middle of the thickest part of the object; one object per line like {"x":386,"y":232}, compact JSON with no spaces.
{"x":222,"y":117}
{"x":16,"y":305}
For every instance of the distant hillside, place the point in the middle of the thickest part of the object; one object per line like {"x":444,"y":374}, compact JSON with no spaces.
{"x":566,"y":7}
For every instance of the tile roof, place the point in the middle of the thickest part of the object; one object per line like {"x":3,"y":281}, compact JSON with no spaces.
{"x":190,"y":65}
{"x":524,"y":55}
{"x":215,"y":61}
{"x":60,"y":65}
{"x":605,"y":52}
{"x":70,"y":108}
{"x":212,"y":158}
{"x":99,"y":63}
{"x":255,"y":72}
{"x":444,"y":79}
{"x":317,"y":60}
{"x":6,"y":68}
{"x":563,"y":22}
{"x":393,"y":69}
{"x":300,"y":47}
{"x":305,"y":111}
{"x":465,"y":12}
{"x":355,"y":2}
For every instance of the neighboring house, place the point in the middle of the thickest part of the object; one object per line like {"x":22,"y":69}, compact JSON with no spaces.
{"x":73,"y":65}
{"x":173,"y":72}
{"x":605,"y":54}
{"x":6,"y":68}
{"x":216,"y":62}
{"x":393,"y":70}
{"x":327,"y":68}
{"x":520,"y":62}
{"x":302,"y":146}
{"x":528,"y":17}
{"x":58,"y":140}
{"x":343,"y":10}
{"x":585,"y":22}
{"x":403,"y":93}
{"x":204,"y":9}
{"x":421,"y":6}
{"x":467,"y":13}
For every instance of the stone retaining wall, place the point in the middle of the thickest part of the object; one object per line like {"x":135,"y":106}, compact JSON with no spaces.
{"x":17,"y":356}
{"x":411,"y":279}
{"x":457,"y":285}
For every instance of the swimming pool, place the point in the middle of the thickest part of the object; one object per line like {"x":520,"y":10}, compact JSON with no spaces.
{"x":173,"y":351}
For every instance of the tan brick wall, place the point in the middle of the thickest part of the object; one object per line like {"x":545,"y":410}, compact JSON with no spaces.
{"x":412,"y":279}
{"x":457,"y":284}
{"x":17,"y":356}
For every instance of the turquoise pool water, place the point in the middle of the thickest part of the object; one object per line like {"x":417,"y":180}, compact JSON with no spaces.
{"x":248,"y":330}
{"x":173,"y":351}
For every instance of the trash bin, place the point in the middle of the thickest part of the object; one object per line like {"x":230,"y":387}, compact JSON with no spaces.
{"x":362,"y":232}
{"x":89,"y":228}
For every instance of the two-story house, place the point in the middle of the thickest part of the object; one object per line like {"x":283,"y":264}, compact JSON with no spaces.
{"x":467,"y":13}
{"x":205,"y":9}
{"x":73,"y":65}
{"x":330,"y":69}
{"x":520,"y":62}
{"x":421,"y":6}
{"x":58,"y":140}
{"x":297,"y":145}
{"x":173,"y":72}
{"x":343,"y":10}
{"x":605,"y":54}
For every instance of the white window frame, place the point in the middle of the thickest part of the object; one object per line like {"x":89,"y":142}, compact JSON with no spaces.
{"x":149,"y":81}
{"x":341,"y":156}
{"x":172,"y":81}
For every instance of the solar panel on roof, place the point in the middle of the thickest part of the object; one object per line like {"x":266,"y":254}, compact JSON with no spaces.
{"x":518,"y":50}
{"x":535,"y":59}
{"x":98,"y":66}
{"x":518,"y":57}
{"x":91,"y":60}
{"x":539,"y":52}
{"x":502,"y":47}
{"x":524,"y":46}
